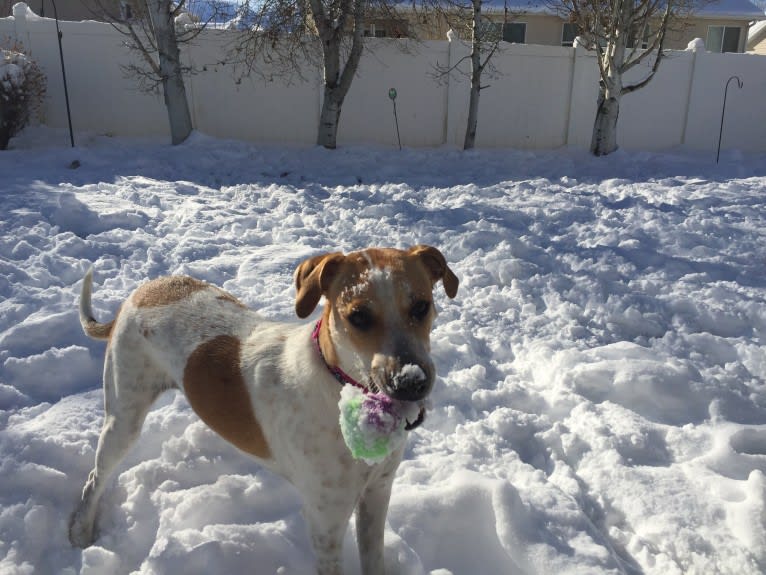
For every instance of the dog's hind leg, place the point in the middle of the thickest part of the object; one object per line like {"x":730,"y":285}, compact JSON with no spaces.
{"x":127,"y":399}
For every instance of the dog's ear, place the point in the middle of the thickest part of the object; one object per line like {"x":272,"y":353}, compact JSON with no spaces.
{"x":436,"y":264}
{"x":312,"y":279}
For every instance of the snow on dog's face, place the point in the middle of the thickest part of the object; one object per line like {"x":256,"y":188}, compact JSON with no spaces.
{"x":377,"y":323}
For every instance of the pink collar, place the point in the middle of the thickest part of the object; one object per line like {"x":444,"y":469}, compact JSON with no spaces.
{"x":337,"y":372}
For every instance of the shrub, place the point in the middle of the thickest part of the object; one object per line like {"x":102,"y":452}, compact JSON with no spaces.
{"x":22,"y":90}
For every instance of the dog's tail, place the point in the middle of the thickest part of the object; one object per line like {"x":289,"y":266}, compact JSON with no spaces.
{"x":90,"y":326}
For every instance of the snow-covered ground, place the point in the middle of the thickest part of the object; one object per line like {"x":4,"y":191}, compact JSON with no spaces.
{"x":601,"y":405}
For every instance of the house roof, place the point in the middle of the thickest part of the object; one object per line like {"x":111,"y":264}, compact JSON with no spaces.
{"x":236,"y":10}
{"x":756,"y":33}
{"x":723,"y":9}
{"x":735,"y":9}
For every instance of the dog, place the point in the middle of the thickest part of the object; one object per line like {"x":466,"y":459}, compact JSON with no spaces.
{"x":272,"y":389}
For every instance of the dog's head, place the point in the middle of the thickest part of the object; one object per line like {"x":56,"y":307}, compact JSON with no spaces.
{"x":377,"y":322}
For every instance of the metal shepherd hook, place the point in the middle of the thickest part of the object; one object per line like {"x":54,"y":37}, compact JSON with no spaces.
{"x":63,"y":69}
{"x":723,"y":111}
{"x":392,"y":95}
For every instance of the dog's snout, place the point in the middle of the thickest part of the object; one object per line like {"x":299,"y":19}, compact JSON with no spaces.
{"x":406,"y":375}
{"x":414,"y":392}
{"x":412,"y":383}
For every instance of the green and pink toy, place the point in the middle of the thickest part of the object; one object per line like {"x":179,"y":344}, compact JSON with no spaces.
{"x":373,"y":424}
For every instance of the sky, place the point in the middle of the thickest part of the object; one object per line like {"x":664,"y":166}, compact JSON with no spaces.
{"x":600,"y":404}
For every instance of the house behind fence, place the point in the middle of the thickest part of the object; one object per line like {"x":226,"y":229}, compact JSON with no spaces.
{"x":541,"y":96}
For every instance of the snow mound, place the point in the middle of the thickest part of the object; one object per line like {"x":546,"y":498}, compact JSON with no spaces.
{"x":600,"y":405}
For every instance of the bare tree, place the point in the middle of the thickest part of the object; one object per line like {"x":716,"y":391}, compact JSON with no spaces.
{"x":154,"y":31}
{"x":466,"y":19}
{"x":625,"y":34}
{"x":285,"y":35}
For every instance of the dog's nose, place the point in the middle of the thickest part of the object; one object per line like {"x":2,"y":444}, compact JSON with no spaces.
{"x":411,"y":383}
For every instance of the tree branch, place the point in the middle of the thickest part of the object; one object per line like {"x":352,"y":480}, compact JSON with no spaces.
{"x":656,"y":65}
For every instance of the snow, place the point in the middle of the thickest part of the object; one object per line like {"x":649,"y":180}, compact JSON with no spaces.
{"x":412,"y":372}
{"x":600,"y":405}
{"x":12,"y":70}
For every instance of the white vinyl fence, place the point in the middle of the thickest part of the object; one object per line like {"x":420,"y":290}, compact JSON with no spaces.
{"x":540,"y":97}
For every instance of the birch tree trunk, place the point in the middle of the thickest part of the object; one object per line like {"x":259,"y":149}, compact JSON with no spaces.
{"x":473,"y":113}
{"x":476,"y":68}
{"x":604,"y":139}
{"x":337,"y":78}
{"x":329,"y":119}
{"x":611,"y":60}
{"x":332,"y":102}
{"x":170,"y":70}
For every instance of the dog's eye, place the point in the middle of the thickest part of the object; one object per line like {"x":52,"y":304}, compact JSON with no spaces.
{"x":420,"y":309}
{"x":361,"y":318}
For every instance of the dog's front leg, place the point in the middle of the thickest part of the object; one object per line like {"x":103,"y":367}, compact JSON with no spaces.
{"x":371,"y":514}
{"x":327,"y":521}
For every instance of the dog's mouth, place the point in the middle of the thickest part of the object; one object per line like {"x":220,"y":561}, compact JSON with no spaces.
{"x":410,"y":387}
{"x":410,"y":425}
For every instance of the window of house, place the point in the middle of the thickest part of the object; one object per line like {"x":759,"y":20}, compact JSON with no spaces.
{"x":515,"y":32}
{"x":722,"y":39}
{"x":371,"y":30}
{"x":509,"y":31}
{"x":391,"y":29}
{"x":644,"y":41}
{"x":569,"y":33}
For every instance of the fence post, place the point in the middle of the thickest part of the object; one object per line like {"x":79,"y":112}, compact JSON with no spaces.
{"x":186,"y":52}
{"x":448,"y":88}
{"x":568,"y":127}
{"x":695,"y":47}
{"x":20,"y":22}
{"x":578,"y":52}
{"x":457,"y":93}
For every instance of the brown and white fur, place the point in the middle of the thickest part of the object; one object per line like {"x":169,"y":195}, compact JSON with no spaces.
{"x":264,"y":387}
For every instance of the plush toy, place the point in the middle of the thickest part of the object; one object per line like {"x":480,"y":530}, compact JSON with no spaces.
{"x":373,"y":424}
